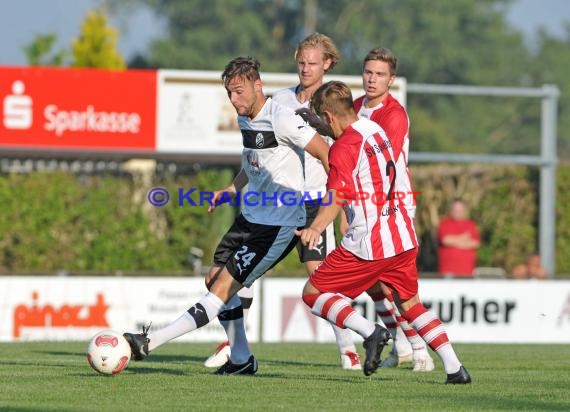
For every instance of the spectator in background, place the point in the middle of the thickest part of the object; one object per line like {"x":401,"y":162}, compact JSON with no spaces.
{"x":458,"y":241}
{"x":531,"y":269}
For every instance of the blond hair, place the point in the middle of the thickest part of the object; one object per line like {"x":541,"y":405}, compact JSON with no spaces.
{"x":325,"y":43}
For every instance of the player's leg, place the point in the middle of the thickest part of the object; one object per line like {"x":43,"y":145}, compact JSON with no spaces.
{"x":217,"y":280}
{"x":408,"y":346}
{"x":229,"y":244}
{"x":312,"y":258}
{"x":349,"y":357}
{"x":328,"y":293}
{"x":430,"y":328}
{"x":421,"y":359}
{"x":401,"y":349}
{"x":223,"y":351}
{"x":403,"y":280}
{"x":198,"y":315}
{"x":263,"y":247}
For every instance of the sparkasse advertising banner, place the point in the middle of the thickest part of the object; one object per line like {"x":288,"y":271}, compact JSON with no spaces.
{"x":59,"y":108}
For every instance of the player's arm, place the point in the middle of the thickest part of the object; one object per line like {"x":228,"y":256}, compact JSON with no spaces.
{"x":318,"y":148}
{"x":328,"y":211}
{"x":239,"y":182}
{"x":460,"y":241}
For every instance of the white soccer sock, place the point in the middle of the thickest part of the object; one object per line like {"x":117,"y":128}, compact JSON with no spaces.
{"x":235,"y":330}
{"x":200,"y":314}
{"x":246,"y":297}
{"x":344,"y":339}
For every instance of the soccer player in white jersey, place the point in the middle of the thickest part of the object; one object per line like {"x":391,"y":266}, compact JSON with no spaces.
{"x":378,"y":105}
{"x":366,"y":179}
{"x":315,"y":55}
{"x":274,"y":138}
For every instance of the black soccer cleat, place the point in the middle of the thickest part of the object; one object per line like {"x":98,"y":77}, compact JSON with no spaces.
{"x":461,"y":377}
{"x":374,"y":344}
{"x":138,"y":343}
{"x":229,"y":368}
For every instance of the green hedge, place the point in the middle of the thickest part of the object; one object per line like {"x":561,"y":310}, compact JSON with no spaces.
{"x":60,"y":221}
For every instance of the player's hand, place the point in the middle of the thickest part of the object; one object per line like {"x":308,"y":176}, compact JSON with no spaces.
{"x":217,"y":200}
{"x":309,"y":237}
{"x":314,"y":121}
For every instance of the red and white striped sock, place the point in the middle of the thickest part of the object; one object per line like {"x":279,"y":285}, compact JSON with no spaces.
{"x":413,"y":341}
{"x":337,"y":309}
{"x":386,"y":310}
{"x":430,"y":328}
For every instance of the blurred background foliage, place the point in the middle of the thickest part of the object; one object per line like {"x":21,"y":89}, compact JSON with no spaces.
{"x":54,"y":221}
{"x":103,"y":223}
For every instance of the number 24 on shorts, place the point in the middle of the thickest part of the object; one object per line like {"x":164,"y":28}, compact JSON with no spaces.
{"x":244,"y":258}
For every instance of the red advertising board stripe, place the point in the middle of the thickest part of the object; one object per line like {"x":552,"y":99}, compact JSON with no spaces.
{"x":77,"y":108}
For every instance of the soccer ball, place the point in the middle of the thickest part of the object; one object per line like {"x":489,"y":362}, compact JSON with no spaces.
{"x":108,"y":352}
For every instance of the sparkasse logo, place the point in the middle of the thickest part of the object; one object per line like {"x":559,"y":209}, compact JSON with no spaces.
{"x":17,"y":112}
{"x":18,"y":115}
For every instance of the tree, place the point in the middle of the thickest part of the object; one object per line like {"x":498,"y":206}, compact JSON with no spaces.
{"x":464,"y":42}
{"x":97,"y":44}
{"x":40,"y":52}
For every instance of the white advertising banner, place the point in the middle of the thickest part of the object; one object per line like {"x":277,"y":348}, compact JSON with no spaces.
{"x":474,"y":311}
{"x":75,"y":308}
{"x":194,"y":114}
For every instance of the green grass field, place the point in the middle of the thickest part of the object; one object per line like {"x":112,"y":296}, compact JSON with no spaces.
{"x":54,"y":376}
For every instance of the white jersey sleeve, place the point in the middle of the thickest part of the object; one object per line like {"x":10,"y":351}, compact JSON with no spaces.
{"x":315,"y":175}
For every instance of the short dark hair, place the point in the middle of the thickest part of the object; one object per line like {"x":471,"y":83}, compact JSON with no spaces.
{"x":244,"y":67}
{"x":384,"y":55}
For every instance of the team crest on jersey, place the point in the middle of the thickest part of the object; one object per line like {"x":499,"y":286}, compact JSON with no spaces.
{"x":259,"y":140}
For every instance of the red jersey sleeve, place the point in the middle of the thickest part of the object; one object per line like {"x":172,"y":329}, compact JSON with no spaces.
{"x":343,"y":158}
{"x":394,"y":121}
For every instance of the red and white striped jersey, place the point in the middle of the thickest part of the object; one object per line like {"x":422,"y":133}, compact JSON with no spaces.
{"x":392,"y":117}
{"x":365,"y":173}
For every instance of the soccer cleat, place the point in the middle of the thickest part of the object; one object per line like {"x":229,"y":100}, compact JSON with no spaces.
{"x":423,"y":363}
{"x":220,"y":356}
{"x":350,"y":361}
{"x":229,"y":368}
{"x":138,"y":343}
{"x":374,"y":344}
{"x":393,"y":360}
{"x":460,"y":377}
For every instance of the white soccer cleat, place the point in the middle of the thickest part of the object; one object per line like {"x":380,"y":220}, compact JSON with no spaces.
{"x":220,"y":356}
{"x":350,"y":361}
{"x":393,"y":360}
{"x":423,"y":363}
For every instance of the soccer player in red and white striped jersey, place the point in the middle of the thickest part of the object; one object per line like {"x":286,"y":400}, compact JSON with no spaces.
{"x":366,"y":180}
{"x":378,"y":105}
